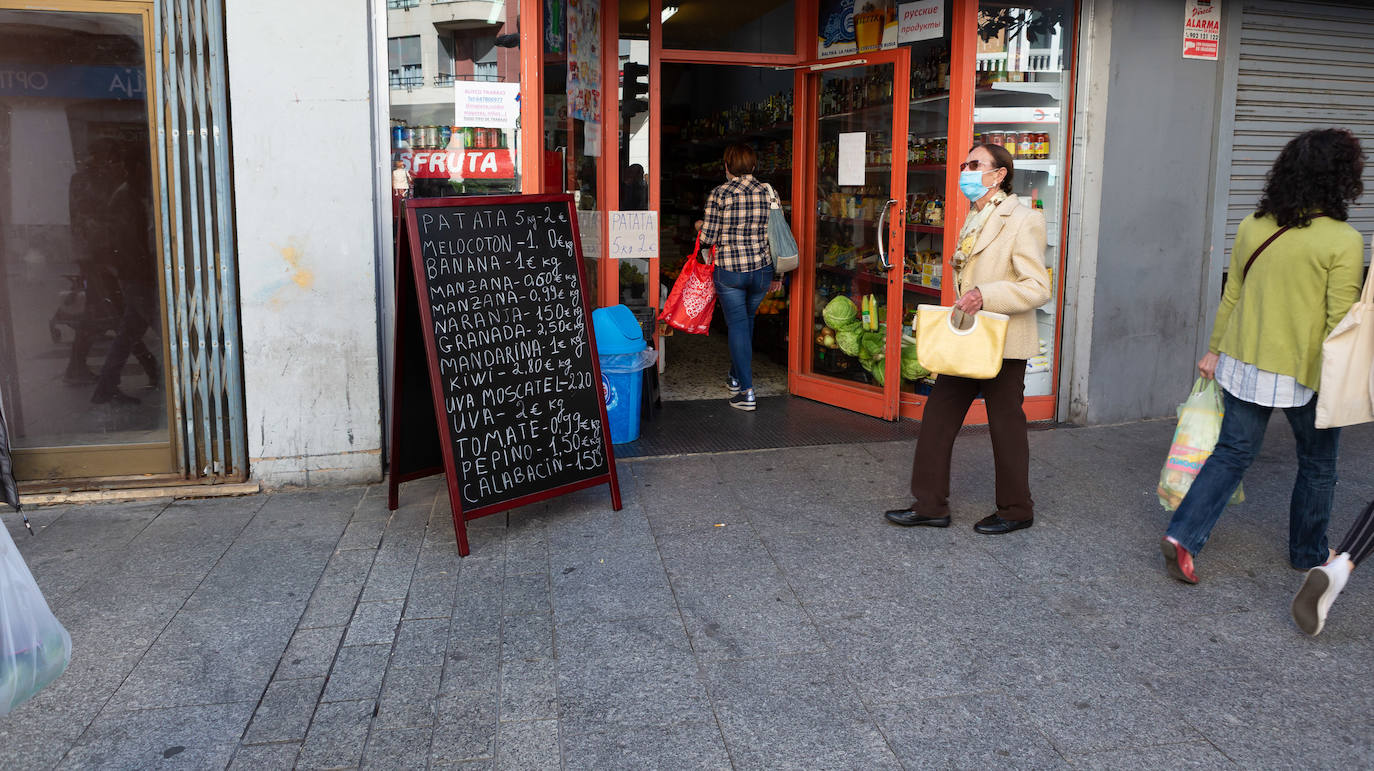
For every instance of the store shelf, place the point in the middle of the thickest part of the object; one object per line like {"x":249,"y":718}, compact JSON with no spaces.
{"x":876,"y":278}
{"x":928,"y":99}
{"x":1034,"y":165}
{"x":936,"y":229}
{"x":927,"y":167}
{"x":876,"y":109}
{"x":1050,"y":89}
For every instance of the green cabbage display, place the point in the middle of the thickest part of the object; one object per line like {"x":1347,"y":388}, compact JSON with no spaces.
{"x":911,"y":367}
{"x":848,"y":338}
{"x":871,"y":346}
{"x":840,"y":313}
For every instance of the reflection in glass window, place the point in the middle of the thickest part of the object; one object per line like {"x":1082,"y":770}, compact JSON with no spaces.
{"x":462,"y":45}
{"x":403,"y":62}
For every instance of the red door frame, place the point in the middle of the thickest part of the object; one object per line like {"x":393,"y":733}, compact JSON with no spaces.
{"x":892,"y":403}
{"x":883,"y":404}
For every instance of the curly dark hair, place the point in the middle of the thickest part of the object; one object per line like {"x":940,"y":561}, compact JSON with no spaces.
{"x":1318,"y":172}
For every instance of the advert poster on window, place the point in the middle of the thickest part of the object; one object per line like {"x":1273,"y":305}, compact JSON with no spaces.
{"x":584,"y":59}
{"x":553,"y":26}
{"x":846,"y":28}
{"x":1202,"y":29}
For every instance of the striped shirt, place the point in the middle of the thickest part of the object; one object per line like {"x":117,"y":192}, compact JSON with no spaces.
{"x":1252,"y":384}
{"x":736,"y":222}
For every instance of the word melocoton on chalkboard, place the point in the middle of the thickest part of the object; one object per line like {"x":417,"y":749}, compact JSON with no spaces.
{"x":510,"y":353}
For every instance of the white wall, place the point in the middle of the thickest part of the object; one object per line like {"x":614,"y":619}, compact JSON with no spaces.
{"x":302,"y":123}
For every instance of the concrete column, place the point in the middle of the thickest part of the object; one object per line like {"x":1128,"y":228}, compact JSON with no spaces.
{"x":302,"y":132}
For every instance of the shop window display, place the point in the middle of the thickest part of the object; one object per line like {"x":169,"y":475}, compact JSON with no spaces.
{"x":1020,"y":102}
{"x":437,"y":57}
{"x":758,"y":26}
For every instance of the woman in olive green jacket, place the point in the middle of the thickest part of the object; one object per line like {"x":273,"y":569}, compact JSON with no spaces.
{"x":1296,"y":268}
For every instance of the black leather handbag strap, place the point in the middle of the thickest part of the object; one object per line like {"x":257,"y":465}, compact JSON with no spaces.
{"x":1262,"y":247}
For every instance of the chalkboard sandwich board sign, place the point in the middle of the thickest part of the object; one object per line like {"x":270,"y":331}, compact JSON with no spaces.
{"x":497,"y":382}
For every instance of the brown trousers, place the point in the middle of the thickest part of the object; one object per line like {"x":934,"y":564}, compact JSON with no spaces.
{"x":944,"y":415}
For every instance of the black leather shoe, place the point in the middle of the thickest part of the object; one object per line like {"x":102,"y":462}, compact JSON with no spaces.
{"x":909,"y":518}
{"x":995,"y":525}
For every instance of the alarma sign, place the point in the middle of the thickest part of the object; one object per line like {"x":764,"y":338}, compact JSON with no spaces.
{"x":1202,"y":29}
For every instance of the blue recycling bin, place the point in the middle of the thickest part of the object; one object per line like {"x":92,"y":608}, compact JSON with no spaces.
{"x":624,"y":355}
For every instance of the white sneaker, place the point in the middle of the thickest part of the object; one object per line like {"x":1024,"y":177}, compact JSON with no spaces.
{"x":1319,"y":590}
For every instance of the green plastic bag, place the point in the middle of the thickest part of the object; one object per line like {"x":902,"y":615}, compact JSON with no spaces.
{"x":1199,"y":425}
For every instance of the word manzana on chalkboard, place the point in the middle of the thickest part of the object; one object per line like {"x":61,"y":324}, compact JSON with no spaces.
{"x":511,"y":361}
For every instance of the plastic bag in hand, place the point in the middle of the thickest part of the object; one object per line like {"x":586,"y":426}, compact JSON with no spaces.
{"x":1199,"y":425}
{"x":34,"y":648}
{"x":693,"y":299}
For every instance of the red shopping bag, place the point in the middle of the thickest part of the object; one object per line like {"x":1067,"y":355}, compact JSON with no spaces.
{"x":693,"y":298}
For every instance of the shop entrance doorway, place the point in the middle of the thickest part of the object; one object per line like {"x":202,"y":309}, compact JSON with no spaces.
{"x":706,"y":107}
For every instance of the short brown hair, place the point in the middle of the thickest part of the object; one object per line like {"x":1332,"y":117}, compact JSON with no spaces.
{"x":1002,"y":159}
{"x":740,"y":159}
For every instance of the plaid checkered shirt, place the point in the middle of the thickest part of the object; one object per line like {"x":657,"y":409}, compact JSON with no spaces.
{"x":736,"y":223}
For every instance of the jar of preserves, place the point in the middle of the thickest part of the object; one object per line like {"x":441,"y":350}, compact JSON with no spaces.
{"x":1027,"y":144}
{"x":994,"y":138}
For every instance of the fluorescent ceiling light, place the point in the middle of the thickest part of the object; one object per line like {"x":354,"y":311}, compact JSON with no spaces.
{"x":668,"y":11}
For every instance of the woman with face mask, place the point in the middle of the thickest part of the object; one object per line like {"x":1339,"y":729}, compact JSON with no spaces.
{"x":999,"y":267}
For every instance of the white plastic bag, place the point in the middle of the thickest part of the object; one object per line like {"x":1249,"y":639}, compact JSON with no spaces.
{"x":34,"y":648}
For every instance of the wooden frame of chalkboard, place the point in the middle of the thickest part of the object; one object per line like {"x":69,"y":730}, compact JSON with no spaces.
{"x":504,"y":329}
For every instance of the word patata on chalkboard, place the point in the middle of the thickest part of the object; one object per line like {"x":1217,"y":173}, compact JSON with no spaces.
{"x":512,"y":368}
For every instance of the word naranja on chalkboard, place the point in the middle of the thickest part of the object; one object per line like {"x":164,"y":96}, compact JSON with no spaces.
{"x":497,"y":383}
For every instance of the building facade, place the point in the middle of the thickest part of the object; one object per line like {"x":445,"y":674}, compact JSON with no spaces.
{"x":197,"y":208}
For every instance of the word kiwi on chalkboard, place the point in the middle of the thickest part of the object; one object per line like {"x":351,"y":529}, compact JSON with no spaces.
{"x":497,"y":383}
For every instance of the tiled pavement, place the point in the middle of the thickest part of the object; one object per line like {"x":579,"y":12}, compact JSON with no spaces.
{"x":745,"y":610}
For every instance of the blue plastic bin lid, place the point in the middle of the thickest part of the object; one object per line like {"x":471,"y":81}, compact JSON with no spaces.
{"x":617,"y":330}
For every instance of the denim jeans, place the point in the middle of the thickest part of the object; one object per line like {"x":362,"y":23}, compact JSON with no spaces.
{"x":1242,"y":433}
{"x":739,"y":295}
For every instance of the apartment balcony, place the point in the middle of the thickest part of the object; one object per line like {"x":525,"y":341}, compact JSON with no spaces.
{"x":466,"y":14}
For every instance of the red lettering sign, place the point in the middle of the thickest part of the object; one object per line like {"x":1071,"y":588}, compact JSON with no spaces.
{"x":460,"y":164}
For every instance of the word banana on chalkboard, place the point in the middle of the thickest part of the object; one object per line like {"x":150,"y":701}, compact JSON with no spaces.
{"x":508,"y":401}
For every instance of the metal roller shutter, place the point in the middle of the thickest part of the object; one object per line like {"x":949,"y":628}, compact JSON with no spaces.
{"x":1302,"y":65}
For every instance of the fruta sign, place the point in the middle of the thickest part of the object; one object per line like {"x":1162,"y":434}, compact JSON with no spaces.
{"x":460,"y":164}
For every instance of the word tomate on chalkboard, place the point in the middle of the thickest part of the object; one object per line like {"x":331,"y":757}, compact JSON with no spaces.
{"x":511,"y":360}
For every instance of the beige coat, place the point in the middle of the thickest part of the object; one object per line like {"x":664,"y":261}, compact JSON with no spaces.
{"x":1008,"y":267}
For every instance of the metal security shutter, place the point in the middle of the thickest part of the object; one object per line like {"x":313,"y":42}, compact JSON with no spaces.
{"x":198,"y":239}
{"x":1301,"y":65}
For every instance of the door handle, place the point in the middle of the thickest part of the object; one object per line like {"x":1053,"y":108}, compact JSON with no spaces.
{"x":882,"y":218}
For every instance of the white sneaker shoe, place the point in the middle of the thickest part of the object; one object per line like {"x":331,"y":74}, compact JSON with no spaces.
{"x":1319,"y":590}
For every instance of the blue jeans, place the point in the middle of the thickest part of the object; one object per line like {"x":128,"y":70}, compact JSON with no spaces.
{"x":739,"y":295}
{"x":1242,"y":433}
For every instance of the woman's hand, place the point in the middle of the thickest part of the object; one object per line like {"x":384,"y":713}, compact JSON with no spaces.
{"x":1207,"y":366}
{"x":971,"y":302}
{"x":775,"y":287}
{"x":700,"y":224}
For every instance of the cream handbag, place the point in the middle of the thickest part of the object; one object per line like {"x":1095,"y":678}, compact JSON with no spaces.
{"x":945,"y":349}
{"x":1346,"y":393}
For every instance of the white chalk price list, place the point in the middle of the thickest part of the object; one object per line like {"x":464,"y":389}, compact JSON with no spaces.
{"x":509,"y":327}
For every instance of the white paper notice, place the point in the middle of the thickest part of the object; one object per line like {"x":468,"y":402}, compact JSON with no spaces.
{"x":486,"y":105}
{"x":922,"y":20}
{"x":852,"y":155}
{"x":592,"y":136}
{"x":634,"y":235}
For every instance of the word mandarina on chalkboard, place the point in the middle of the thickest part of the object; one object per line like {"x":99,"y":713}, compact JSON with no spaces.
{"x":497,"y":382}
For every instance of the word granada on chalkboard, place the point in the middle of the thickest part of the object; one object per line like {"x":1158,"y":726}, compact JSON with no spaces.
{"x":497,"y":379}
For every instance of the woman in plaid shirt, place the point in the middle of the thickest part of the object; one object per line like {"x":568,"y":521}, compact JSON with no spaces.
{"x":736,"y":224}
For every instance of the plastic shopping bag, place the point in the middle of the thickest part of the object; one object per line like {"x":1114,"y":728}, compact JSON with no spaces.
{"x":34,"y":648}
{"x":1199,"y":425}
{"x":693,"y":299}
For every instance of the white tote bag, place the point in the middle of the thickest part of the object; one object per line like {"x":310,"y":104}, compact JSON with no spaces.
{"x":1346,"y":394}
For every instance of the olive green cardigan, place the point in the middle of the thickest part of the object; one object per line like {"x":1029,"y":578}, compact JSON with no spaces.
{"x":1298,"y":290}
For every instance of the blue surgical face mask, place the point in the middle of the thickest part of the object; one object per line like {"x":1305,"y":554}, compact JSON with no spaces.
{"x":971,"y":182}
